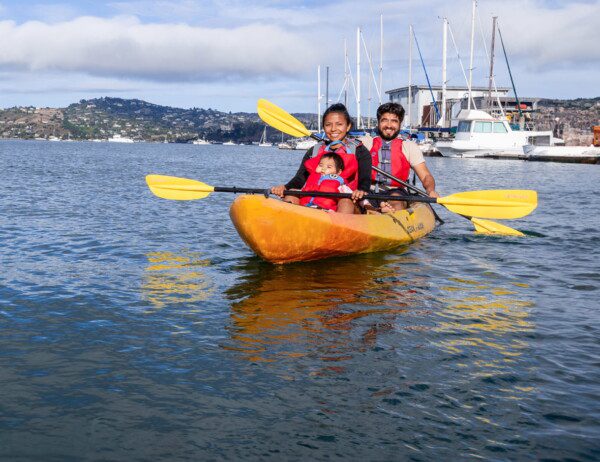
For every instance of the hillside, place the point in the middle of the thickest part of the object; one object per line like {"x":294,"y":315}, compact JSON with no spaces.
{"x":569,"y":119}
{"x":102,"y":118}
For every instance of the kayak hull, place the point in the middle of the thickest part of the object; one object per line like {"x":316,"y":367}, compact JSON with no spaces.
{"x":280,"y":232}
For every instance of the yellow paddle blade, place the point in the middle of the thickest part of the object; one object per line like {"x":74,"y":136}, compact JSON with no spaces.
{"x":496,"y":203}
{"x":492,"y":227}
{"x":280,"y":119}
{"x":179,"y":189}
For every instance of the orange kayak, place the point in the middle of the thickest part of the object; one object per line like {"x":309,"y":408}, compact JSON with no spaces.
{"x":280,"y":232}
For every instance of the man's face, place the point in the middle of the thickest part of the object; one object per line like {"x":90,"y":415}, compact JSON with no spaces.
{"x":389,"y":126}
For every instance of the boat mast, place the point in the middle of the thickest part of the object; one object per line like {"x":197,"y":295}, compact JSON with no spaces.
{"x":318,"y":97}
{"x":510,"y":74}
{"x":471,"y":59}
{"x":358,"y":121}
{"x":369,"y":99}
{"x":380,"y":59}
{"x":327,"y":87}
{"x":442,"y":121}
{"x":490,"y":100}
{"x":345,"y":73}
{"x":410,"y":32}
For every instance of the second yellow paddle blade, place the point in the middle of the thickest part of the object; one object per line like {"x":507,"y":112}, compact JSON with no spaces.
{"x":492,"y":227}
{"x":496,"y":203}
{"x":281,"y":120}
{"x":179,"y":189}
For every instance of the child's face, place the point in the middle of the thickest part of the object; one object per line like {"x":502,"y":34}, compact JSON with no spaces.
{"x":327,"y":167}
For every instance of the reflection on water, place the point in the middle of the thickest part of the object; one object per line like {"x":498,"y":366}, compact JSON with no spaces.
{"x":334,"y":309}
{"x":176,"y":278}
{"x":294,"y":310}
{"x":493,"y":320}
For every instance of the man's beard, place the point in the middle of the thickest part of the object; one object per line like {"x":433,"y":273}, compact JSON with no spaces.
{"x":385,"y":138}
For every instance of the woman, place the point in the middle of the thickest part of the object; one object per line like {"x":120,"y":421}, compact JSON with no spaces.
{"x":357,"y":160}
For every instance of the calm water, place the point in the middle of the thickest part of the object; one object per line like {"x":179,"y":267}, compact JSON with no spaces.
{"x":135,"y":328}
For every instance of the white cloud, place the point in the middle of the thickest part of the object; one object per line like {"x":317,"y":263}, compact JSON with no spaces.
{"x":198,"y":50}
{"x":125,"y":47}
{"x":547,"y":38}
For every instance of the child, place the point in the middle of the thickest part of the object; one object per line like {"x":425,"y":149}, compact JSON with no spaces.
{"x":328,"y":180}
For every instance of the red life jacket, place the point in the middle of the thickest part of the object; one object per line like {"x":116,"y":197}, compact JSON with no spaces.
{"x":400,"y":165}
{"x":348,"y":154}
{"x":325,"y":183}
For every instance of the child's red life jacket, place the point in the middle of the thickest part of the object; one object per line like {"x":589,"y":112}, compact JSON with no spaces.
{"x":348,"y":155}
{"x":326,"y":183}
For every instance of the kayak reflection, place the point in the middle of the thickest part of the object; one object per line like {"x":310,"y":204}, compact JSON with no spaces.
{"x":172,"y":278}
{"x":317,"y":307}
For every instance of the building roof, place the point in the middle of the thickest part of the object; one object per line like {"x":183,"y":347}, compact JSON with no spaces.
{"x":439,"y":87}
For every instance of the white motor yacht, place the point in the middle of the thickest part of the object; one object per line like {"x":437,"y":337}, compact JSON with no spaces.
{"x":304,"y":144}
{"x":481,"y":135}
{"x":120,"y":139}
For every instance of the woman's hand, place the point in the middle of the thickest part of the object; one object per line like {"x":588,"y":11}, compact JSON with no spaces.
{"x":278,"y":190}
{"x":357,"y":195}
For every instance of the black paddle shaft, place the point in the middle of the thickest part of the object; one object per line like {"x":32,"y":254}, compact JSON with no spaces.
{"x":381,"y":197}
{"x":414,"y":188}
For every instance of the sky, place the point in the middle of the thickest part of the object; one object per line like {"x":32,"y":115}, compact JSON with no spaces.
{"x":226,"y":54}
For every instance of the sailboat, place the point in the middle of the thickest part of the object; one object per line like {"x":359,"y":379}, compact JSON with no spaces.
{"x":263,"y":139}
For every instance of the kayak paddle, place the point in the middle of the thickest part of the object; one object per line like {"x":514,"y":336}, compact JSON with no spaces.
{"x":481,"y":226}
{"x":487,"y":204}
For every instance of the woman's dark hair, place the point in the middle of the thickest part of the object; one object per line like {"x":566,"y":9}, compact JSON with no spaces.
{"x":340,"y":109}
{"x":337,"y":159}
{"x":393,"y":108}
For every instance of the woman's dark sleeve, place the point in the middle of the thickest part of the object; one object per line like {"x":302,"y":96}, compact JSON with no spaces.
{"x":363,"y":157}
{"x":301,"y":175}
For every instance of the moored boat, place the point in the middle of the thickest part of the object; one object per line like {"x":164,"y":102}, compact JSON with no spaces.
{"x":280,"y":232}
{"x":480,"y":135}
{"x":569,"y":154}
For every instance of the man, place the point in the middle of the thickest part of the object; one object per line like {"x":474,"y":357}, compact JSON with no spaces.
{"x":397,"y":157}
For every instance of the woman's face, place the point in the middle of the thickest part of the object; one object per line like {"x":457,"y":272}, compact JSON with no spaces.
{"x":335,"y":126}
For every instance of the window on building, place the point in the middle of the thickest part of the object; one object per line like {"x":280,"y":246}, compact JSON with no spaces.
{"x":499,"y":128}
{"x":483,"y":127}
{"x":464,"y":126}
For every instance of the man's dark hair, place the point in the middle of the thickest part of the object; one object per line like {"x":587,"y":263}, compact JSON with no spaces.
{"x":393,"y":108}
{"x":340,"y":109}
{"x":339,"y":162}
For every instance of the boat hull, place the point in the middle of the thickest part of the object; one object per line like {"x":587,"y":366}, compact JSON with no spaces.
{"x":569,"y":154}
{"x":280,"y":232}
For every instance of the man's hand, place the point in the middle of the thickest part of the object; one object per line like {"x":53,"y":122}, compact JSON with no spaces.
{"x":357,"y":195}
{"x":433,"y":194}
